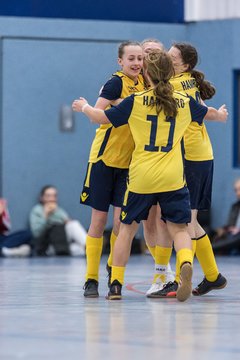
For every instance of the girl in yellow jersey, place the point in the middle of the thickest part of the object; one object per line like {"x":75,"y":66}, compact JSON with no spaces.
{"x":156,"y":235}
{"x":110,"y":155}
{"x":198,"y":155}
{"x":198,"y":170}
{"x":198,"y":167}
{"x":157,"y":119}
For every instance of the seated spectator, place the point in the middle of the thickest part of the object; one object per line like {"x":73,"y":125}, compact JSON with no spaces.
{"x":226,"y":237}
{"x":54,"y":233}
{"x":15,"y":244}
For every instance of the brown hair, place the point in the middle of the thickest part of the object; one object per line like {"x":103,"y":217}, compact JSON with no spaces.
{"x":159,"y":67}
{"x":190,"y":57}
{"x":122,"y":46}
{"x":44,"y":189}
{"x":156,"y":41}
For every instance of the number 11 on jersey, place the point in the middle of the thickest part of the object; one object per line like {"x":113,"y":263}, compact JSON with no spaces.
{"x":153,"y":133}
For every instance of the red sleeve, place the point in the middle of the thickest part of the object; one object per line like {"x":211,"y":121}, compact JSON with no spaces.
{"x":5,"y":223}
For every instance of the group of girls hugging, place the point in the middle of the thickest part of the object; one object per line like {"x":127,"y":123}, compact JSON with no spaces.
{"x":152,"y":160}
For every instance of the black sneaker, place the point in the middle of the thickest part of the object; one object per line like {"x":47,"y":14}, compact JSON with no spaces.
{"x":169,"y":290}
{"x":109,"y":271}
{"x":91,"y":288}
{"x":205,"y":286}
{"x":115,"y":291}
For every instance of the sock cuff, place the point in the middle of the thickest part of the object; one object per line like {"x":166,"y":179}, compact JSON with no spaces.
{"x":200,"y":237}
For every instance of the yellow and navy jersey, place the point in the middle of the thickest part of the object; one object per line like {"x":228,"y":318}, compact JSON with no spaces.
{"x":157,"y":163}
{"x":197,"y":144}
{"x":114,"y":146}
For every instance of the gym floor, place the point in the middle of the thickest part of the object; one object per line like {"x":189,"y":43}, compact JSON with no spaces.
{"x":43,"y":314}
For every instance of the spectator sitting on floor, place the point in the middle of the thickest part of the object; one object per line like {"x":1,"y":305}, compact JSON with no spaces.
{"x":232,"y":229}
{"x":233,"y":224}
{"x":15,"y":244}
{"x":54,"y":233}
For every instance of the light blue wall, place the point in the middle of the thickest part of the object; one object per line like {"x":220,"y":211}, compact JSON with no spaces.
{"x":48,"y":63}
{"x":45,"y":64}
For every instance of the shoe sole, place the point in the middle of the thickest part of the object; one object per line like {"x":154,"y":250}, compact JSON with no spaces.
{"x":184,"y":290}
{"x":91,"y":296}
{"x":114,"y":297}
{"x":171,"y":294}
{"x":211,"y":289}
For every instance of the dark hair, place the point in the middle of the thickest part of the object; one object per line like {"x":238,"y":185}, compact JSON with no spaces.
{"x":190,"y":57}
{"x":122,"y":46}
{"x":44,"y":189}
{"x":160,"y":69}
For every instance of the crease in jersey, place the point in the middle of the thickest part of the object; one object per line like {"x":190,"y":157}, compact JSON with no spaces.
{"x":105,"y":141}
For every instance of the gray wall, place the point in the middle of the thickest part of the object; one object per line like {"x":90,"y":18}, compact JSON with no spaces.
{"x":48,"y":63}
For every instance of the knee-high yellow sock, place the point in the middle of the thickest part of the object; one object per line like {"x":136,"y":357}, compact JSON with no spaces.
{"x":206,"y":258}
{"x":184,"y":255}
{"x":118,"y":274}
{"x":151,"y":250}
{"x":178,"y":267}
{"x":112,"y":242}
{"x":194,"y":245}
{"x":162,"y":258}
{"x":93,"y":256}
{"x":177,"y":275}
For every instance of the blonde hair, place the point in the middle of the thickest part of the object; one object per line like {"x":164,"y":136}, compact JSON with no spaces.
{"x":159,"y":67}
{"x":156,"y":41}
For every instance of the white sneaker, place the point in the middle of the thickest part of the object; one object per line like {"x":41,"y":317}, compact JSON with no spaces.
{"x":20,"y":251}
{"x":158,"y":285}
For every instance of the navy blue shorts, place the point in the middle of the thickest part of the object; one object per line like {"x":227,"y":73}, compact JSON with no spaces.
{"x":199,"y":177}
{"x":175,"y":206}
{"x":103,"y":186}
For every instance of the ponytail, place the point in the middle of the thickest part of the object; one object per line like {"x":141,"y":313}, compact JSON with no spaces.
{"x":160,"y":69}
{"x":206,"y":89}
{"x":164,"y":99}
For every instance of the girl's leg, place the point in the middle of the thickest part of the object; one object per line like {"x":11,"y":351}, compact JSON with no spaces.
{"x":204,"y":250}
{"x":94,"y":243}
{"x":114,"y":234}
{"x":150,"y":230}
{"x":156,"y":232}
{"x":183,"y":247}
{"x":121,"y":255}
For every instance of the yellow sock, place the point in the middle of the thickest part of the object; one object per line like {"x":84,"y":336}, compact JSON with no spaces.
{"x":112,"y":242}
{"x":206,"y":258}
{"x":151,"y":250}
{"x":177,"y":274}
{"x":178,"y":267}
{"x":162,"y":258}
{"x":118,"y":274}
{"x":93,"y":255}
{"x":185,"y":255}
